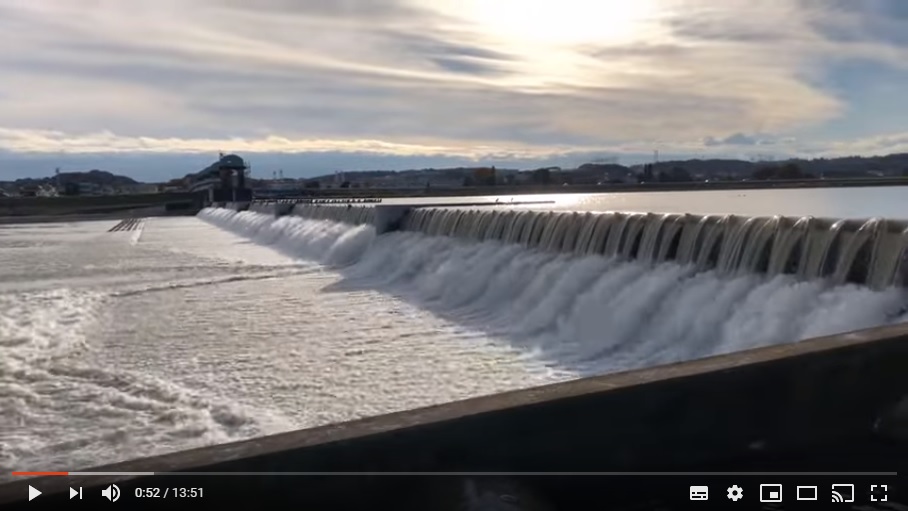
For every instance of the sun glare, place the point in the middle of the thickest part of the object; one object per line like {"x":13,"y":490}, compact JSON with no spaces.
{"x":561,"y":22}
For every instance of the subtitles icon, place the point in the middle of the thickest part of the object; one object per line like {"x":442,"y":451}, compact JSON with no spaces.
{"x":843,"y":493}
{"x":808,"y":493}
{"x":770,"y":493}
{"x":699,"y":493}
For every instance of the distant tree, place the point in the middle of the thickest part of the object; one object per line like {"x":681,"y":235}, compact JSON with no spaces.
{"x":542,"y":176}
{"x":679,"y":175}
{"x":787,"y":171}
{"x":648,"y":172}
{"x":764,"y":173}
{"x":313,"y":184}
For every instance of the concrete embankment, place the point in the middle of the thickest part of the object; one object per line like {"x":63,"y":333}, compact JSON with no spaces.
{"x":93,"y":217}
{"x":825,"y":404}
{"x":78,"y":209}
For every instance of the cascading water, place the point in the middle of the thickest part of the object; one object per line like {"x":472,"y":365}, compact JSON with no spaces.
{"x":348,"y":214}
{"x":864,"y":252}
{"x":596,"y":293}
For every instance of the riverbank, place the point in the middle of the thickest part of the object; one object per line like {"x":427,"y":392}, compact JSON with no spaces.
{"x":112,"y":207}
{"x":64,"y":209}
{"x":90,"y":217}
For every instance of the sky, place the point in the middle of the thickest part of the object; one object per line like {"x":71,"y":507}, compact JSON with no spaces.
{"x":155,"y":89}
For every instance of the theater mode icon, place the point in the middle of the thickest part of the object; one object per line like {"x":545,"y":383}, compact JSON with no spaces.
{"x":808,"y":493}
{"x":699,"y":493}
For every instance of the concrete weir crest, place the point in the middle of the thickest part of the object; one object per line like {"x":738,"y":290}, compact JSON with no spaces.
{"x":870,"y":252}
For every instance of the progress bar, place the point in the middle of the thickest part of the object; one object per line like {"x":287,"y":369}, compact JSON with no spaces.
{"x":460,"y":474}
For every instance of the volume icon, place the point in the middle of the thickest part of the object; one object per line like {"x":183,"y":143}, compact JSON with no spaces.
{"x":111,"y":492}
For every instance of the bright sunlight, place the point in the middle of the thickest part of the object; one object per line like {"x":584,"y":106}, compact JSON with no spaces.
{"x":559,"y":23}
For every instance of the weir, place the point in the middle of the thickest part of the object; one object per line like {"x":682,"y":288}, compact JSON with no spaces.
{"x":868,"y":252}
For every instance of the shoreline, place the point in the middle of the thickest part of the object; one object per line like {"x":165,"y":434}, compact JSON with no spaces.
{"x":82,"y":217}
{"x":44,"y":210}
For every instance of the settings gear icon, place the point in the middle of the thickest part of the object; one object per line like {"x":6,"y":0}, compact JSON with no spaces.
{"x":735,"y":492}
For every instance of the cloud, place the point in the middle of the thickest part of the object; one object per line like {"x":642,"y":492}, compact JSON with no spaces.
{"x":42,"y":141}
{"x":740,"y":139}
{"x":60,"y":144}
{"x":402,"y":77}
{"x":29,"y":153}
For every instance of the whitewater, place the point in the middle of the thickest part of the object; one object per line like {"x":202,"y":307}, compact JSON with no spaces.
{"x":196,"y":331}
{"x":589,"y":315}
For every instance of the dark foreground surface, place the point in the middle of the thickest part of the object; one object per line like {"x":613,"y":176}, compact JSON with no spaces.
{"x":862,"y":472}
{"x":828,"y":411}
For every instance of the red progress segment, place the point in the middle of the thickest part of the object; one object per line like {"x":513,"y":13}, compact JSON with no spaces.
{"x":40,"y":473}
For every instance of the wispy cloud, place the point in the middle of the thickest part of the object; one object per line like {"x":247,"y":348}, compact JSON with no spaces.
{"x":467,"y":77}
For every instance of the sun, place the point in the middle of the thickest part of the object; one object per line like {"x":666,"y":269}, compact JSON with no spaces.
{"x":560,"y":23}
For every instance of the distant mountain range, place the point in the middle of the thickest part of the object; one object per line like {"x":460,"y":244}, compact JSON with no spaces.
{"x":97,"y":177}
{"x":851,"y":166}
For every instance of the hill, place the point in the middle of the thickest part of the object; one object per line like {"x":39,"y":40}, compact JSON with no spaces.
{"x":95,"y":177}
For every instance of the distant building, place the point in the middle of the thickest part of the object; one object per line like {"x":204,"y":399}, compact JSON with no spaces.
{"x":278,"y":187}
{"x":140,"y":188}
{"x":222,"y":181}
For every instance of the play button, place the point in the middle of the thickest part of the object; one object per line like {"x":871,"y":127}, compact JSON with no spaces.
{"x":32,"y":493}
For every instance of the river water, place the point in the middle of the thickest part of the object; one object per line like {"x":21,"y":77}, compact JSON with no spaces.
{"x":192,"y":331}
{"x":858,"y":203}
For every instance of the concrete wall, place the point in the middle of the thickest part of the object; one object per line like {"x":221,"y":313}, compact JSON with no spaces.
{"x":823,"y":396}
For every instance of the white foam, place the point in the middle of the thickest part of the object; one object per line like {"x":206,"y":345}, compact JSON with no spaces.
{"x":583,"y":313}
{"x":195,"y":336}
